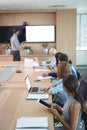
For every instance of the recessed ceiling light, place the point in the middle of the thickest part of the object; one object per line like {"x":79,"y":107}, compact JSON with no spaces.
{"x":3,"y":8}
{"x":59,"y":6}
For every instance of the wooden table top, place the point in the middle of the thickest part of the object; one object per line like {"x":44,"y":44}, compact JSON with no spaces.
{"x":13,"y":103}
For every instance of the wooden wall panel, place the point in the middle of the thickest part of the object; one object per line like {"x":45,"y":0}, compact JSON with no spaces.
{"x":66,"y":33}
{"x":31,"y":18}
{"x":37,"y":18}
{"x":65,"y":21}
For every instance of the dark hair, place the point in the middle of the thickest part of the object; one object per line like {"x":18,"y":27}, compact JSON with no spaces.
{"x":15,"y":30}
{"x":25,"y":23}
{"x":63,"y":57}
{"x":57,"y":56}
{"x":70,"y":61}
{"x":71,"y":84}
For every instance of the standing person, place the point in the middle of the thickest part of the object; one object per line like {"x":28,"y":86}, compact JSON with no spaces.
{"x":15,"y":45}
{"x":74,"y":109}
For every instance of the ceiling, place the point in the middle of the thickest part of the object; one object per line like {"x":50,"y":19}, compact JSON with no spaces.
{"x":80,"y":5}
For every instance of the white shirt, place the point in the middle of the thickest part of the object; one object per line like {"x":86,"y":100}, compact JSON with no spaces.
{"x":15,"y":43}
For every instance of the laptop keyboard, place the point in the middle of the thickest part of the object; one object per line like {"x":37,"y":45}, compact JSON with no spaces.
{"x":34,"y":89}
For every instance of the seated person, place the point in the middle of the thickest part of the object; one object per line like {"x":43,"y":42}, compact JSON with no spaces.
{"x":53,"y":73}
{"x":64,"y":57}
{"x":51,"y":63}
{"x":74,"y":109}
{"x":62,"y":71}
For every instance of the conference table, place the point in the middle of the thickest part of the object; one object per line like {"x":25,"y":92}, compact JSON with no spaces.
{"x":13,"y":92}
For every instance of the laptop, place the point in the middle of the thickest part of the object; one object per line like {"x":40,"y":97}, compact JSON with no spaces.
{"x":28,"y":63}
{"x":32,"y":89}
{"x":36,"y":59}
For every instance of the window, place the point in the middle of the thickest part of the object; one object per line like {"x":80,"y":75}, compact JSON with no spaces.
{"x":82,"y":31}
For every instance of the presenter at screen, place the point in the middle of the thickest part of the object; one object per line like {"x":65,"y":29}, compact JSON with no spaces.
{"x":15,"y":45}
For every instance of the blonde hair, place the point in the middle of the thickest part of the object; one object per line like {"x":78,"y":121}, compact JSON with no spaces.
{"x":63,"y":69}
{"x":52,"y":51}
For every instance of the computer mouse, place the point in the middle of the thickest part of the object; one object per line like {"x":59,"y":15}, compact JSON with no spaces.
{"x":18,"y":71}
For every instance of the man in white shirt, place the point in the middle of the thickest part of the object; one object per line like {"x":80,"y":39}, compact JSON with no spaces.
{"x":15,"y":45}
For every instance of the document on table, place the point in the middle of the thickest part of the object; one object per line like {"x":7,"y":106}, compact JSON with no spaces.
{"x":33,"y":129}
{"x":37,"y":96}
{"x":41,"y":77}
{"x":32,"y":122}
{"x":40,"y":70}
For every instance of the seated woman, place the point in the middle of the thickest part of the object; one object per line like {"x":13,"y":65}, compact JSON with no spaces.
{"x":64,"y":57}
{"x":51,"y":63}
{"x":62,"y":71}
{"x":74,"y":109}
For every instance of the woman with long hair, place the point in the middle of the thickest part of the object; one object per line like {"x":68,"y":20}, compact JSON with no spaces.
{"x":74,"y":109}
{"x":63,"y":69}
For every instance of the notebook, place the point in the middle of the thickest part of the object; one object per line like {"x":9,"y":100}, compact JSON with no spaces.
{"x":37,"y":96}
{"x":32,"y":89}
{"x":32,"y":123}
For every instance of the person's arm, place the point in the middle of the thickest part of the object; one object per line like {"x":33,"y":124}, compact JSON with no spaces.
{"x":52,"y":63}
{"x":17,"y":44}
{"x":57,"y":107}
{"x":57,"y":88}
{"x":49,"y":60}
{"x":75,"y":111}
{"x":74,"y":115}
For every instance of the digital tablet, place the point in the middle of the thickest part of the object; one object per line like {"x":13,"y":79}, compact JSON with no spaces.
{"x":44,"y":103}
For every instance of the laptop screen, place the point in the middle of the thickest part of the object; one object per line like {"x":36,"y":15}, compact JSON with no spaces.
{"x":27,"y":81}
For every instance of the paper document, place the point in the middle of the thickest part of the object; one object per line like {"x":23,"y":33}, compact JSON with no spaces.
{"x":37,"y":96}
{"x":41,"y":77}
{"x":40,"y":70}
{"x":33,"y":129}
{"x":32,"y":122}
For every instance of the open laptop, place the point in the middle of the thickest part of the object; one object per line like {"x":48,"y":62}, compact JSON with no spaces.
{"x":36,"y":59}
{"x":32,"y":89}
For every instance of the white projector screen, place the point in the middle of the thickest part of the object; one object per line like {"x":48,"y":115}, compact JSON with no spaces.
{"x":40,"y":33}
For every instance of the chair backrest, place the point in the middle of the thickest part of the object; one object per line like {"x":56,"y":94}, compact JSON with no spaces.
{"x":78,"y":75}
{"x":83,"y":89}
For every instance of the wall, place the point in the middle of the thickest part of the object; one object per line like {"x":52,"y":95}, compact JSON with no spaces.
{"x":66,"y":33}
{"x":65,"y":21}
{"x":39,"y":18}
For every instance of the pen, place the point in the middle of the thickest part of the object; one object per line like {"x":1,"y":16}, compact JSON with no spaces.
{"x":46,"y":89}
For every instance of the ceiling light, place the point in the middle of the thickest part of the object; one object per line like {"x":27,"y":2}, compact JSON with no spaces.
{"x":59,"y":6}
